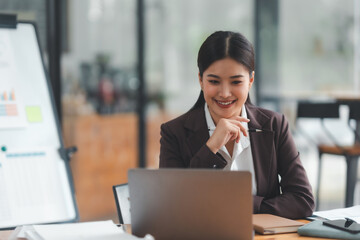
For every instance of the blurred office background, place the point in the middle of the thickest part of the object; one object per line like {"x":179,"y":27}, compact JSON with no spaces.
{"x":105,"y":57}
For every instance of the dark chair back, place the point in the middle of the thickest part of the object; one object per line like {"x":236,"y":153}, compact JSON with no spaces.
{"x":307,"y":109}
{"x":354,"y":110}
{"x":354,"y":114}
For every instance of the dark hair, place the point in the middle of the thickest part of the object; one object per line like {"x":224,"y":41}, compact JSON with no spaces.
{"x":220,"y":45}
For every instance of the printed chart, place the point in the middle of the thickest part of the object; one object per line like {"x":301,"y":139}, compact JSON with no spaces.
{"x":12,"y":113}
{"x":10,"y":117}
{"x":8,"y":107}
{"x":30,"y":185}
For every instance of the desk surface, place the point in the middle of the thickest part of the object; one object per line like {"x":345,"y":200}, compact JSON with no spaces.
{"x":5,"y":234}
{"x":289,"y":236}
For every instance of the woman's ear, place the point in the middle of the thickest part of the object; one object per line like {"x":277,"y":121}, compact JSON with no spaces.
{"x":252,"y":78}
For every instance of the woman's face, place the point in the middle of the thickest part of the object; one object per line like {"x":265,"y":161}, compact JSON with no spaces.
{"x":226,"y":84}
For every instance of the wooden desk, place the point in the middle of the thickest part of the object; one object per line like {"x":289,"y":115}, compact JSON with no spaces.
{"x":4,"y":235}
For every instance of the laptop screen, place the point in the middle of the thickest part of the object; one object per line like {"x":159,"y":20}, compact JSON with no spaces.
{"x":121,"y":195}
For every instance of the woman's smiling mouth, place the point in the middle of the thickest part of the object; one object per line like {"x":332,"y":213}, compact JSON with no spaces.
{"x":225,"y":104}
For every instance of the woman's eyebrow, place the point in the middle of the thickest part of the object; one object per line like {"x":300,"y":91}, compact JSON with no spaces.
{"x":237,"y":76}
{"x":216,"y":76}
{"x":213,"y":75}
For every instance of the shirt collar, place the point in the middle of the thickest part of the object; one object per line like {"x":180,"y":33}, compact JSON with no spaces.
{"x":209,"y":120}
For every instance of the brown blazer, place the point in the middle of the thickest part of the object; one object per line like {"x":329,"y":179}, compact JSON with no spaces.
{"x":183,"y":145}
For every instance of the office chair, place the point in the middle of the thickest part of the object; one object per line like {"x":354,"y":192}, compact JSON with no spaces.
{"x":122,"y":201}
{"x":330,"y":110}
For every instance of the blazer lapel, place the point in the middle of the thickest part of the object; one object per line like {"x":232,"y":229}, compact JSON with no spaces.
{"x":198,"y":133}
{"x":261,"y":147}
{"x":261,"y":142}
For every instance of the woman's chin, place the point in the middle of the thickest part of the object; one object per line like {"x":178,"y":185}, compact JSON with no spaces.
{"x":226,"y":115}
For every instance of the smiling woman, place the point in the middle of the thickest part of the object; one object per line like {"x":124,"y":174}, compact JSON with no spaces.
{"x":225,"y":85}
{"x":224,"y":130}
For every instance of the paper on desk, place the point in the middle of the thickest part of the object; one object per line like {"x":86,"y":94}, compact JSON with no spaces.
{"x":19,"y":232}
{"x":341,"y":213}
{"x":105,"y":230}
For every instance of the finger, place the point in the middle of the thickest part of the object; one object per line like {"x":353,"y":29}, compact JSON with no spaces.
{"x":236,"y":133}
{"x":233,"y":133}
{"x":242,"y":128}
{"x":239,"y":135}
{"x":244,"y":131}
{"x":233,"y":137}
{"x":241,"y":119}
{"x":224,"y":134}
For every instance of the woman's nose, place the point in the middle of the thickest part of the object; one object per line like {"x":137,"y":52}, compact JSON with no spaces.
{"x":225,"y":91}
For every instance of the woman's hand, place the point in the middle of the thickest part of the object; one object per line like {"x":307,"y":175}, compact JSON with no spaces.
{"x":225,"y":131}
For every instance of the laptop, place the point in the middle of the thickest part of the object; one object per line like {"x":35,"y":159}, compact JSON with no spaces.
{"x":191,"y":204}
{"x":121,"y":195}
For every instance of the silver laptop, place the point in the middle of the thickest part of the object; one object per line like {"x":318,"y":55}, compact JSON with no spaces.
{"x":188,"y":204}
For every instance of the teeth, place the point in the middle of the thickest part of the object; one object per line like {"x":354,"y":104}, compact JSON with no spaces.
{"x":225,"y":103}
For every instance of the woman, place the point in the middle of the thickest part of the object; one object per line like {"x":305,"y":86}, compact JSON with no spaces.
{"x":224,"y":130}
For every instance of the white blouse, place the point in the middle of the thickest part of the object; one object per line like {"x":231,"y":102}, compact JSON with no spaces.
{"x":241,"y":159}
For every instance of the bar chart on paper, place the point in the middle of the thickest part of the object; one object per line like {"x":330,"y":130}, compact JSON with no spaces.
{"x":10,"y":116}
{"x":11,"y":111}
{"x":8,"y":105}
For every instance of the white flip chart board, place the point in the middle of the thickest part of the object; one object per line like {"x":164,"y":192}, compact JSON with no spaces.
{"x":35,"y":181}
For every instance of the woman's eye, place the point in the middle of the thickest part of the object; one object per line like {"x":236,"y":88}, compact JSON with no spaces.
{"x":236,"y":82}
{"x":213,"y":81}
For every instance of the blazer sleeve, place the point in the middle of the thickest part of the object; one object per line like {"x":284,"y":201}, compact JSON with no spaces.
{"x":296,"y":199}
{"x":175,"y":152}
